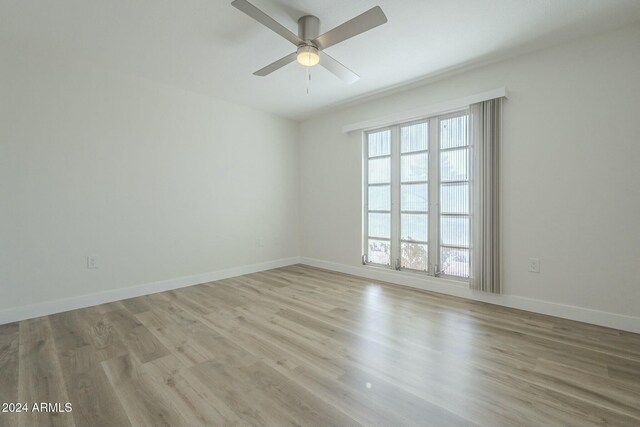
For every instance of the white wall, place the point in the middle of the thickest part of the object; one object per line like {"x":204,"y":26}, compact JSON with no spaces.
{"x":161,"y":183}
{"x":158,"y":182}
{"x":571,"y":171}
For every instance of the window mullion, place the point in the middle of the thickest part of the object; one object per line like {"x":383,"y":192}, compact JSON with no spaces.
{"x":434,"y":195}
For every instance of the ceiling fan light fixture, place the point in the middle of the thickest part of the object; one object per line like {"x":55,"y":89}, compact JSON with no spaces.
{"x":308,"y":56}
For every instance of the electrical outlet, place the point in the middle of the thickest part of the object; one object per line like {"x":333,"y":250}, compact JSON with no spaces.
{"x":92,"y":261}
{"x":260,"y":242}
{"x":534,"y":265}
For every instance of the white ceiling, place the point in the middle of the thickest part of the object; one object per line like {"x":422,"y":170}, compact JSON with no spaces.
{"x":210,"y":47}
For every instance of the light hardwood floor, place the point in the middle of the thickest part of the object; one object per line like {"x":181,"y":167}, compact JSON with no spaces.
{"x":303,"y":346}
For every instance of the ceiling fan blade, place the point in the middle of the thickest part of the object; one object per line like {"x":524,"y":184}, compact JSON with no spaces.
{"x":337,"y":68}
{"x":266,"y":20}
{"x":358,"y":25}
{"x":276,"y":65}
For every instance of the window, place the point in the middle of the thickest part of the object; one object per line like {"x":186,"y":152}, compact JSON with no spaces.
{"x":414,"y":207}
{"x":454,"y":196}
{"x":417,"y":196}
{"x":379,"y":198}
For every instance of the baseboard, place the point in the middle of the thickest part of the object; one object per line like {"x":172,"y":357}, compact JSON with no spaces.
{"x":450,"y":287}
{"x":51,"y":307}
{"x":443,"y":286}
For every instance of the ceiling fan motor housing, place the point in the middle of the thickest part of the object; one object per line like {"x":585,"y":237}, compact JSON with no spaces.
{"x":308,"y":28}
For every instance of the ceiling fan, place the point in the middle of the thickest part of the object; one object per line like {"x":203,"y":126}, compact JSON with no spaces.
{"x":310,"y":44}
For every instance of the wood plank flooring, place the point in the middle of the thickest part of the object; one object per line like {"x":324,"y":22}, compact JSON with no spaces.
{"x":303,"y":346}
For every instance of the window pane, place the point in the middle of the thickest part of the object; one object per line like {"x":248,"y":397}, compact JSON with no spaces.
{"x":414,"y":167}
{"x":379,"y":170}
{"x":454,"y":198}
{"x":414,"y":137}
{"x":379,"y":252}
{"x":413,"y":227}
{"x":414,"y":197}
{"x":414,"y":256}
{"x":379,"y":198}
{"x":454,"y":262}
{"x":379,"y":143}
{"x":454,"y":132}
{"x":380,"y":225}
{"x":454,"y":165}
{"x":454,"y":230}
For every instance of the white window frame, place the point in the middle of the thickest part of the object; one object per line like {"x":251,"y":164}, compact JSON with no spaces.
{"x":433,"y":209}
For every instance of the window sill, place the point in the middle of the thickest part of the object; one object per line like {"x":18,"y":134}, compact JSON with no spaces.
{"x":412,"y":274}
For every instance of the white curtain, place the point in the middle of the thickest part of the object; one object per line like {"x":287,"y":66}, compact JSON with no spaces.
{"x":485,"y":122}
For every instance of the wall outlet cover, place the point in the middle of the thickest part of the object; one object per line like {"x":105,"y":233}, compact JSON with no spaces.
{"x":534,"y":265}
{"x":92,"y":262}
